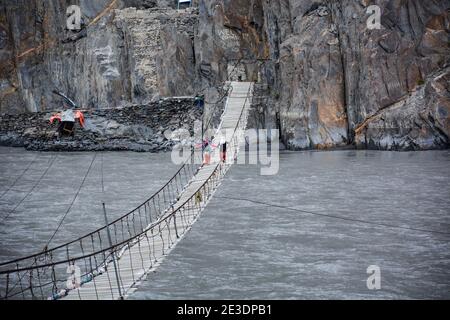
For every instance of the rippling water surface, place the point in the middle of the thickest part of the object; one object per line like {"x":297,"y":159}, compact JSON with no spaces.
{"x":36,"y":189}
{"x":246,"y":250}
{"x":310,"y":231}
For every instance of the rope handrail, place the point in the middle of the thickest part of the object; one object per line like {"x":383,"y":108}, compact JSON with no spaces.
{"x":118,"y":244}
{"x":117,"y":249}
{"x":132,"y":238}
{"x":105,"y":226}
{"x":49,"y":250}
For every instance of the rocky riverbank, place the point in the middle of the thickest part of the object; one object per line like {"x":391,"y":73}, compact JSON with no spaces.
{"x":141,"y":128}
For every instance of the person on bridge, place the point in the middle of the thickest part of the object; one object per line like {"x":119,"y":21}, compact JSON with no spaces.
{"x":207,"y":150}
{"x":200,"y":101}
{"x":223,"y":150}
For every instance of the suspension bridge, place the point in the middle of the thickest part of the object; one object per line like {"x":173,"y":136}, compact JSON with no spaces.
{"x":111,"y":262}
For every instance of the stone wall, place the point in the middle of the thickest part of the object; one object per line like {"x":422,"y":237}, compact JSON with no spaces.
{"x":135,"y":128}
{"x":160,"y":46}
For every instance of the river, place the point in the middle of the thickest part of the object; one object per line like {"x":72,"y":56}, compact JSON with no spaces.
{"x":309,"y":232}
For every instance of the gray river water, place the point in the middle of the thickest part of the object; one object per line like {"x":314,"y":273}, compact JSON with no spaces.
{"x":311,"y":231}
{"x":29,"y":219}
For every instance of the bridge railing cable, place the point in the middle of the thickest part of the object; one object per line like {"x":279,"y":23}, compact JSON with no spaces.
{"x":151,"y":209}
{"x":122,"y":229}
{"x":155,"y":226}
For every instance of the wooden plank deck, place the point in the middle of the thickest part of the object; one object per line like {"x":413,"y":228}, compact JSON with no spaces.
{"x":147,"y":254}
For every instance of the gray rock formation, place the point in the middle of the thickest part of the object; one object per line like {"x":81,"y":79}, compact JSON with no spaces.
{"x":112,"y":61}
{"x":325,"y":79}
{"x":332,"y":76}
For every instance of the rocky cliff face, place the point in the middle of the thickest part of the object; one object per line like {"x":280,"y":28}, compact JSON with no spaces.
{"x":324,"y":78}
{"x":337,"y":82}
{"x":122,"y":55}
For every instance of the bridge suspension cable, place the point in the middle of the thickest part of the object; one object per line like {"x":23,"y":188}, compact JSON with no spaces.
{"x":19,"y":177}
{"x":326,"y":215}
{"x":72,"y":202}
{"x":140,"y":239}
{"x":31,"y":190}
